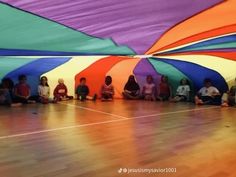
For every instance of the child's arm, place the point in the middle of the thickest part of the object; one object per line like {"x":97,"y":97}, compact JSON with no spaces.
{"x":39,"y":91}
{"x":158,"y":91}
{"x":215,"y":92}
{"x":137,"y":92}
{"x":66,"y":91}
{"x":28,"y":94}
{"x":143,"y":91}
{"x":48,"y":92}
{"x":88,"y":90}
{"x":112,"y":90}
{"x":127,"y":91}
{"x":178,"y":90}
{"x":188,"y":93}
{"x":170,"y":88}
{"x":55,"y":91}
{"x":230,"y":92}
{"x":153,"y":90}
{"x":199,"y":93}
{"x":17,"y":94}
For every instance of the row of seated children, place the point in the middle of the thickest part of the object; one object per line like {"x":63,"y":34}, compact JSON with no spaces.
{"x":59,"y":93}
{"x":153,"y":93}
{"x":20,"y":93}
{"x":208,"y":94}
{"x":16,"y":95}
{"x":107,"y":90}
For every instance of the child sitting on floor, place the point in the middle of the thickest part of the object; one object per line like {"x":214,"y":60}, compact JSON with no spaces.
{"x":182,"y":93}
{"x":229,"y":99}
{"x":22,"y":91}
{"x":44,"y":91}
{"x":208,"y":94}
{"x":82,"y":91}
{"x":5,"y":96}
{"x":9,"y":85}
{"x":107,"y":89}
{"x":164,"y":92}
{"x":131,"y":89}
{"x":148,"y":92}
{"x":60,"y":92}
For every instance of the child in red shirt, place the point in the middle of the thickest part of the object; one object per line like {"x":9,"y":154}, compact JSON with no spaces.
{"x":22,"y":91}
{"x":60,"y":92}
{"x":107,"y":89}
{"x":164,"y":90}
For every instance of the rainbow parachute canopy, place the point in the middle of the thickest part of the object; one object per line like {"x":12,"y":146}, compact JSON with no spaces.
{"x":73,"y":39}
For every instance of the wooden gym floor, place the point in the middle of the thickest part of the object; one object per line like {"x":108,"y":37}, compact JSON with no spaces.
{"x":107,"y":139}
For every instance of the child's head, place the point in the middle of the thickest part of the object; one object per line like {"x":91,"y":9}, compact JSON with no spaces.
{"x":60,"y":81}
{"x":164,"y":79}
{"x":149,"y":79}
{"x":7,"y":83}
{"x":131,"y":78}
{"x":184,"y":82}
{"x":207,"y":82}
{"x":44,"y":81}
{"x":22,"y":79}
{"x":108,"y":80}
{"x":82,"y":81}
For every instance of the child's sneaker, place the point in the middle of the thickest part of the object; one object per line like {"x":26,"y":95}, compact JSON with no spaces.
{"x":15,"y":104}
{"x":224,"y":104}
{"x":198,"y":101}
{"x":31,"y":101}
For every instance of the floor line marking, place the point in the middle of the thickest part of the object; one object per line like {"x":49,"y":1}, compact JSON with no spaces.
{"x":96,"y":123}
{"x":57,"y":129}
{"x":175,"y":112}
{"x":94,"y":110}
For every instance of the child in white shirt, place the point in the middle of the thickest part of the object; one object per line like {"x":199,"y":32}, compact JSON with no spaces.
{"x":149,"y":89}
{"x":208,"y":94}
{"x":183,"y":90}
{"x":44,"y":91}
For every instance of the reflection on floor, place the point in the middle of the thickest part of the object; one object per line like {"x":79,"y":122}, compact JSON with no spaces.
{"x":109,"y":139}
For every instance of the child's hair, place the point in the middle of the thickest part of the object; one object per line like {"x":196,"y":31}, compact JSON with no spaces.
{"x":82,"y":79}
{"x":22,"y":77}
{"x":131,"y":79}
{"x":164,"y":77}
{"x":207,"y":80}
{"x":181,"y":81}
{"x":61,"y":81}
{"x":108,"y":80}
{"x":8,"y":83}
{"x":41,"y":80}
{"x":149,"y":76}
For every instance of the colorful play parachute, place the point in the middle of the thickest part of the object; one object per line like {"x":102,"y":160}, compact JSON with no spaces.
{"x":92,"y":39}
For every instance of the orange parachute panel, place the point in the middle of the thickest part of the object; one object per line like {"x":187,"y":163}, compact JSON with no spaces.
{"x":125,"y":67}
{"x":208,"y":34}
{"x":216,"y":17}
{"x":226,"y":55}
{"x":95,"y":73}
